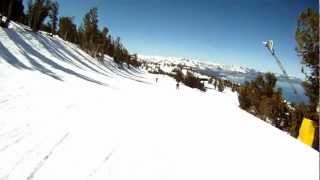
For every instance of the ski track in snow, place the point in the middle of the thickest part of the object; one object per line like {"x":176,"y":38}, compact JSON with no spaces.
{"x":22,"y":158}
{"x":97,"y":169}
{"x":13,"y":137}
{"x":46,"y":157}
{"x":10,"y":133}
{"x":3,"y":101}
{"x":11,"y":143}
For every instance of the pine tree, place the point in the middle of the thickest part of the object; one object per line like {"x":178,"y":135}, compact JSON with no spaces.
{"x":260,"y":98}
{"x":221,"y":86}
{"x":37,"y":13}
{"x":215,"y":83}
{"x":118,"y":48}
{"x":104,"y":40}
{"x":67,"y":29}
{"x":29,"y":13}
{"x":53,"y":15}
{"x":179,"y":75}
{"x":110,"y":48}
{"x":297,"y":114}
{"x":307,"y":38}
{"x":193,"y":81}
{"x":90,"y":31}
{"x":244,"y":96}
{"x":12,"y":9}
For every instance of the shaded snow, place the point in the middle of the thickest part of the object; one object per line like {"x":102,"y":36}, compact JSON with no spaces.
{"x":65,"y":116}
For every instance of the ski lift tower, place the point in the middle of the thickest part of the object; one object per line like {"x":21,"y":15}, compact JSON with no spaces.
{"x":269,"y":45}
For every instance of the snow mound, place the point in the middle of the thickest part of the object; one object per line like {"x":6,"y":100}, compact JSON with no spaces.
{"x":66,"y":116}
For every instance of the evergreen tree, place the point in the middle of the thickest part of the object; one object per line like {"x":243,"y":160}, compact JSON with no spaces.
{"x":90,"y":32}
{"x":220,"y":86}
{"x":193,"y":81}
{"x":134,"y":60}
{"x":67,"y":29}
{"x":215,"y":83}
{"x":179,"y":75}
{"x":117,"y":50}
{"x":104,"y":39}
{"x":307,"y":38}
{"x":260,"y":98}
{"x":12,"y":9}
{"x":29,"y":13}
{"x":37,"y":13}
{"x":46,"y":27}
{"x":210,"y":80}
{"x":53,"y":15}
{"x":297,"y":114}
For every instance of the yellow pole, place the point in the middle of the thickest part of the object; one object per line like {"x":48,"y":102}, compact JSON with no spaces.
{"x":307,"y":132}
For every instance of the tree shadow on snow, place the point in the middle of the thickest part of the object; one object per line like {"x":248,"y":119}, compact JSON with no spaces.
{"x":11,"y":59}
{"x":88,"y":57}
{"x":58,"y":49}
{"x":132,"y":73}
{"x":119,"y":70}
{"x":41,"y":68}
{"x":30,"y":50}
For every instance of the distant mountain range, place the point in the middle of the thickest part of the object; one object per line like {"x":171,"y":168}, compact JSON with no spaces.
{"x":237,"y":74}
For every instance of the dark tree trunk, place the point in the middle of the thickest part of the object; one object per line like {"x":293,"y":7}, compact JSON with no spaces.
{"x":9,"y":13}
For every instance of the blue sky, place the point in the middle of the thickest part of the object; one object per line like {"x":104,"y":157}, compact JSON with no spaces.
{"x":222,"y":31}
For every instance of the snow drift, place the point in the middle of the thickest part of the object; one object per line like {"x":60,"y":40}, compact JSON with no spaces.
{"x":63,"y":115}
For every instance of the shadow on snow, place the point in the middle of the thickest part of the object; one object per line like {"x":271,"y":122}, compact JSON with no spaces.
{"x":28,"y":50}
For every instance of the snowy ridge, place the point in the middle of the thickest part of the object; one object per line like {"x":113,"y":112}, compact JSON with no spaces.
{"x":64,"y":115}
{"x":208,"y":68}
{"x":194,"y":63}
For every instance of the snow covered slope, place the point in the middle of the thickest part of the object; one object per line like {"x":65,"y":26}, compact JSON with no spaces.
{"x":63,"y":115}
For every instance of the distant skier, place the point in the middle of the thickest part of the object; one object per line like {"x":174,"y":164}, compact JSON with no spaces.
{"x":177,"y":85}
{"x":156,"y":80}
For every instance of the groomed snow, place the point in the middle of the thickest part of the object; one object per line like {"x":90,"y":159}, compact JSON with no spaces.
{"x":64,"y":116}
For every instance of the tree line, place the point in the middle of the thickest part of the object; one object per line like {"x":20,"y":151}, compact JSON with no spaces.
{"x":43,"y":15}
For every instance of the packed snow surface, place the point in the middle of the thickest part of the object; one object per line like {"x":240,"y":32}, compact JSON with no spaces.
{"x":64,"y":116}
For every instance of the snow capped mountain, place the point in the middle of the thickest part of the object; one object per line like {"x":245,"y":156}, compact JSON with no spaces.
{"x":195,"y":63}
{"x":206,"y":67}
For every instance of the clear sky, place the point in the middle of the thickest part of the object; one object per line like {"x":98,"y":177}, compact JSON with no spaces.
{"x":222,"y":31}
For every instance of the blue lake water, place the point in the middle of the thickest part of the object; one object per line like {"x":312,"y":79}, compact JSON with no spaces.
{"x":287,"y":91}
